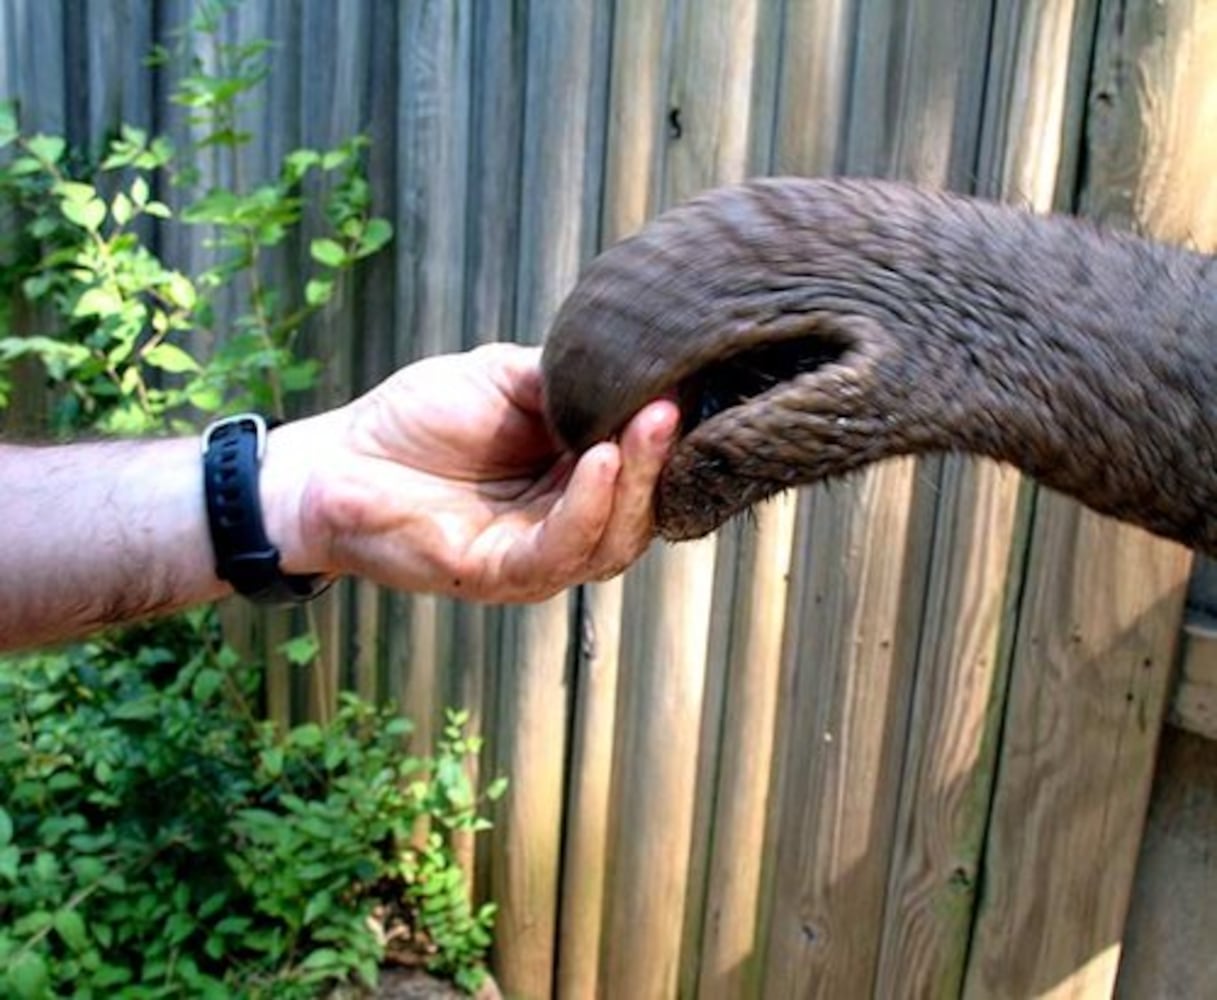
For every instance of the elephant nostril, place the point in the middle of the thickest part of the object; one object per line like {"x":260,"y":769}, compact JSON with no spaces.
{"x":738,"y":379}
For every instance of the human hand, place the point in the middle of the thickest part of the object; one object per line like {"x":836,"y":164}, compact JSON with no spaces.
{"x":445,"y":478}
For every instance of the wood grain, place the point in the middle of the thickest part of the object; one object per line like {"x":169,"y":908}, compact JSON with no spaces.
{"x":433,"y":121}
{"x":1091,"y":660}
{"x":667,"y":613}
{"x":567,"y":46}
{"x":852,"y":641}
{"x":975,"y":569}
{"x":800,"y":74}
{"x":1099,"y":626}
{"x":497,"y":92}
{"x":844,"y":706}
{"x":331,"y":110}
{"x":372,"y":304}
{"x":636,"y":119}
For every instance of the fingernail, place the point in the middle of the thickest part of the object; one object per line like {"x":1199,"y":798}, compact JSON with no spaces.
{"x":664,"y":431}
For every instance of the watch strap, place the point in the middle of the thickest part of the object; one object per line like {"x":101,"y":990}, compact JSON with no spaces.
{"x":233,"y":449}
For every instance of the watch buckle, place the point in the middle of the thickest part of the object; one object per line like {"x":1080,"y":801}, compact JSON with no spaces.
{"x":255,"y":419}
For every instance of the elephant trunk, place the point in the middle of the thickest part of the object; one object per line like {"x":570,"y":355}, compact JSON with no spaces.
{"x":809,"y":327}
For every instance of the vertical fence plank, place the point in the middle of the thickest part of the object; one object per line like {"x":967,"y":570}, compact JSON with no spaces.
{"x":33,"y":75}
{"x":110,"y":84}
{"x":567,"y":46}
{"x":966,"y":633}
{"x":432,"y":159}
{"x":34,"y":72}
{"x":254,"y":634}
{"x":496,"y":127}
{"x":843,"y":723}
{"x":804,"y":47}
{"x":813,"y":87}
{"x":668,"y":605}
{"x":916,"y":89}
{"x":293,"y":691}
{"x":332,"y":46}
{"x":1099,"y":626}
{"x":373,"y":306}
{"x":1088,"y":690}
{"x":743,"y":753}
{"x":636,"y":112}
{"x":499,"y":53}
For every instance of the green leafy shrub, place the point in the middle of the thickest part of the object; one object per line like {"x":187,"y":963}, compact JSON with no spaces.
{"x":124,"y":320}
{"x":156,"y":839}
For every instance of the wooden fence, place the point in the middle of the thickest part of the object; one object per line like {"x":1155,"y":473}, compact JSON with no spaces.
{"x":892,"y":738}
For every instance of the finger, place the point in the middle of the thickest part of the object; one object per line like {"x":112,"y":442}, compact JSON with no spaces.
{"x":645,"y":445}
{"x":559,"y":551}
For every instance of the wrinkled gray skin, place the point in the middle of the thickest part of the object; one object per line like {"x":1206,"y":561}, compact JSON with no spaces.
{"x":810,"y":327}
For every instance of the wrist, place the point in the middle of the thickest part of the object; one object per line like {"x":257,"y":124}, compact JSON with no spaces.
{"x":298,"y":455}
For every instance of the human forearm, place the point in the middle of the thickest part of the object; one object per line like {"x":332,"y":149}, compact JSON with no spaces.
{"x":100,"y":534}
{"x":92,"y":535}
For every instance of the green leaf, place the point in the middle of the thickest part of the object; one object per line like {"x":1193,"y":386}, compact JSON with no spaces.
{"x":300,"y":649}
{"x":318,"y":291}
{"x":97,"y":302}
{"x":6,"y":827}
{"x":335,"y":158}
{"x":48,"y":148}
{"x":71,"y":927}
{"x":377,"y":233}
{"x":131,"y":381}
{"x":233,"y":925}
{"x":322,"y":958}
{"x":121,"y":208}
{"x":158,"y":209}
{"x":215,"y":206}
{"x":495,"y":790}
{"x":139,"y":192}
{"x":88,"y":215}
{"x":159,"y":153}
{"x":307,"y":735}
{"x":328,"y":252}
{"x":10,"y":861}
{"x":134,"y":711}
{"x":27,"y":976}
{"x":317,"y":906}
{"x":24,"y":165}
{"x":297,"y":163}
{"x":55,"y":354}
{"x":272,"y":762}
{"x":180,"y":291}
{"x":207,"y":398}
{"x":206,"y":684}
{"x":170,"y":358}
{"x":75,"y":192}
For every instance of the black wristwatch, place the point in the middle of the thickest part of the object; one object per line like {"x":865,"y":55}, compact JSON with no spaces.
{"x":233,"y":449}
